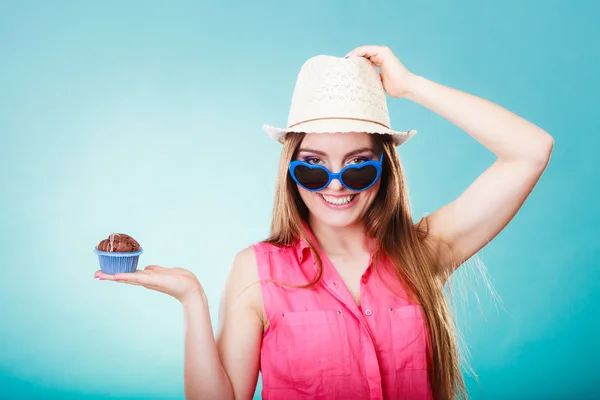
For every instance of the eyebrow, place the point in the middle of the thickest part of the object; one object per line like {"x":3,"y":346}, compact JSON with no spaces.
{"x":353,"y":152}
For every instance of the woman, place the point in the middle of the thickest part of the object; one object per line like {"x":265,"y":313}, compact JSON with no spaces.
{"x":350,"y":303}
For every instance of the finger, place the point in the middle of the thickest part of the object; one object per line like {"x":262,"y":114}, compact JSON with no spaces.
{"x":375,"y":54}
{"x":132,"y":283}
{"x":155,"y":268}
{"x":363,"y":51}
{"x":146,"y":279}
{"x":128,"y":278}
{"x":140,"y":277}
{"x":102,"y":275}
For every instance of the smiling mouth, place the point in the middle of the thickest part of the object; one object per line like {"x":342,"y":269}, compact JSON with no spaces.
{"x":338,"y":201}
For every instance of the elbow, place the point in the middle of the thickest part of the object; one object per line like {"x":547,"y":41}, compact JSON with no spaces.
{"x":540,"y":157}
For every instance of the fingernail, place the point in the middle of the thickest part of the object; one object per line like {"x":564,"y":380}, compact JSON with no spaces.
{"x":102,"y":279}
{"x":117,"y":279}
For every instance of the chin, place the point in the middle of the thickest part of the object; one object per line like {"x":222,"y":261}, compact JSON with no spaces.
{"x":335,"y":220}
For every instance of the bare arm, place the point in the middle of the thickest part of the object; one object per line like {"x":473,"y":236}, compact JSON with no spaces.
{"x":204,"y":375}
{"x":228,"y":367}
{"x":492,"y":200}
{"x":241,"y":325}
{"x":487,"y":206}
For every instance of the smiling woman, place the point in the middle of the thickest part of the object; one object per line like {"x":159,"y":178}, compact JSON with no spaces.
{"x":351,"y":189}
{"x":352,"y":259}
{"x":350,"y":302}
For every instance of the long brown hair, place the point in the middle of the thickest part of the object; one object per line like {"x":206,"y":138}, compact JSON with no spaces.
{"x":410,"y":248}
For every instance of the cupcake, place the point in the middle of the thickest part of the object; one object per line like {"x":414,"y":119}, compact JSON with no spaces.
{"x":118,"y":253}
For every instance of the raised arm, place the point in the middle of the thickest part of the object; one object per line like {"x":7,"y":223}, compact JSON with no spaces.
{"x":472,"y":220}
{"x":492,"y":200}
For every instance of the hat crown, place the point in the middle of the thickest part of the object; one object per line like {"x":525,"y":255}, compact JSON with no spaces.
{"x":333,"y":87}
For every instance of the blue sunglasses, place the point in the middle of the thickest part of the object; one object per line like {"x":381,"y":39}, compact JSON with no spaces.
{"x":356,"y":177}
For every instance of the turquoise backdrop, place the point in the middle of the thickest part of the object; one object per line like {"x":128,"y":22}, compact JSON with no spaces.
{"x":145,"y":117}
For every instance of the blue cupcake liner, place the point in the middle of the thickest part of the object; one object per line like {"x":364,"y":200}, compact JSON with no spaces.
{"x":115,"y":262}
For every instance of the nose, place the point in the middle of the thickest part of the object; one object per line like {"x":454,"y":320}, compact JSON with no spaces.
{"x":336,"y":185}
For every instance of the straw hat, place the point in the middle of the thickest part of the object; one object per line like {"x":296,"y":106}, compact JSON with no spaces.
{"x":335,"y":94}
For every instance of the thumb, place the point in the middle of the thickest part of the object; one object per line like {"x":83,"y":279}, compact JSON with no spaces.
{"x":155,"y":268}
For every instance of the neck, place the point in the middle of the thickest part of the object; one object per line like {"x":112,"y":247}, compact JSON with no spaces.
{"x":340,"y":242}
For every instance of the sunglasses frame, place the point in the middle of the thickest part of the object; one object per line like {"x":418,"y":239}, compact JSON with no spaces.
{"x":337,"y":175}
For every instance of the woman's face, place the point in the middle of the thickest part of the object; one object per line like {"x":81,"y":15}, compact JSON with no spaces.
{"x":336,"y":205}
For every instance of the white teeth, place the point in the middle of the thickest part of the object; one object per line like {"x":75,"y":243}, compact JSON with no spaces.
{"x":338,"y":201}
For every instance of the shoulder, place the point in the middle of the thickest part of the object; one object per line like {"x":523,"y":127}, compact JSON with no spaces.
{"x":243,"y":271}
{"x":267,"y":248}
{"x":243,"y":258}
{"x":245,"y":263}
{"x":242,"y":286}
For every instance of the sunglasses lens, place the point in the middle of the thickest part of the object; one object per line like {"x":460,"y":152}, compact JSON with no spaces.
{"x":359,"y":178}
{"x":311,"y":178}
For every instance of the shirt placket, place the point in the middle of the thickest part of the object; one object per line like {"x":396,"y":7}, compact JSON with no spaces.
{"x":369,"y":348}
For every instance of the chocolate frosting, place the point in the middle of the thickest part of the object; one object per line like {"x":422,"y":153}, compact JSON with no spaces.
{"x":119,"y":242}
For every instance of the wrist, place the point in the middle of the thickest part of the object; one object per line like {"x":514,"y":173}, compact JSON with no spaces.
{"x":413,"y":83}
{"x":194,"y":296}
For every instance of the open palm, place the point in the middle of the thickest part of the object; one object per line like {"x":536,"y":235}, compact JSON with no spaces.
{"x":176,"y":282}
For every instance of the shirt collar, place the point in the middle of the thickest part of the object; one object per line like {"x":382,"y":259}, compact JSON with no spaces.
{"x":302,"y":247}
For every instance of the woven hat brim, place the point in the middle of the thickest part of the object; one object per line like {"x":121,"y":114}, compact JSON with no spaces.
{"x":339,"y":125}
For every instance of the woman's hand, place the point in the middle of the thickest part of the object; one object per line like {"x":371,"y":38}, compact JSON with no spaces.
{"x":175,"y":282}
{"x":395,"y":77}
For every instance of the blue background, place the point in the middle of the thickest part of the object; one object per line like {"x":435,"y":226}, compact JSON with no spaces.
{"x":145,"y":118}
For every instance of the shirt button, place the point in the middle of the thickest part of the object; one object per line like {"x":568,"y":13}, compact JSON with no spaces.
{"x":364,"y":280}
{"x":368,"y":312}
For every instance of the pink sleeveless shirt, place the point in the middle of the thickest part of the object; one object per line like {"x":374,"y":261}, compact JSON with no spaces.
{"x":321,"y":345}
